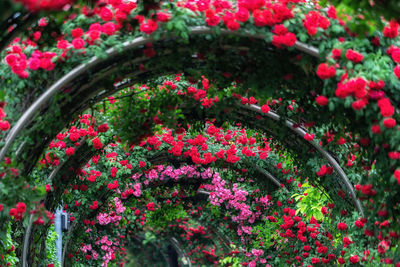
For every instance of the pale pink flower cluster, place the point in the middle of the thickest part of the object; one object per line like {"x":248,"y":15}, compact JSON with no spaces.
{"x":137,"y":192}
{"x":112,"y":217}
{"x":104,"y":218}
{"x":221,"y":194}
{"x":136,"y":176}
{"x":88,"y":248}
{"x":161,"y":173}
{"x":265,"y":201}
{"x":109,"y":247}
{"x":119,"y":208}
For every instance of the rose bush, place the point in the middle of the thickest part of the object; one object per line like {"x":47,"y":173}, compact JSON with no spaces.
{"x":165,"y":155}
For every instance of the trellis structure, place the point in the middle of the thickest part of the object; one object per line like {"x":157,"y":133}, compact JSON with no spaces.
{"x":117,"y":69}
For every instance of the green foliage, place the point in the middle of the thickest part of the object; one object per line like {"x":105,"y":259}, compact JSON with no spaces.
{"x":51,"y":249}
{"x":366,"y":14}
{"x":267,"y":233}
{"x":230,"y":260}
{"x":8,"y":243}
{"x":310,"y":202}
{"x":164,"y":215}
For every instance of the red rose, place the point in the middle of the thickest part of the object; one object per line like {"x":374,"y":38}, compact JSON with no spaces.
{"x":106,"y":14}
{"x":232,"y":25}
{"x":73,"y":137}
{"x":34,"y":63}
{"x":120,"y":15}
{"x":288,"y":39}
{"x":321,"y":100}
{"x":325,"y":72}
{"x":150,"y":206}
{"x":113,"y":185}
{"x":354,"y":259}
{"x":70,"y":151}
{"x":354,"y":56}
{"x":43,"y":22}
{"x":78,"y":43}
{"x":265,"y":108}
{"x":148,"y":27}
{"x":242,"y":15}
{"x":389,"y":122}
{"x":314,"y":260}
{"x":396,"y":71}
{"x":342,"y":226}
{"x":309,"y":137}
{"x":77,"y":33}
{"x":336,"y":53}
{"x":394,"y":155}
{"x":391,"y":31}
{"x":376,"y":129}
{"x":97,"y":143}
{"x":396,"y":56}
{"x":163,"y":17}
{"x":11,"y":60}
{"x":322,"y":171}
{"x":280,"y":29}
{"x":62,"y":44}
{"x":359,"y":104}
{"x":359,"y":224}
{"x":95,"y":205}
{"x":103,"y":128}
{"x":332,"y":12}
{"x":397,"y":175}
{"x":322,"y":250}
{"x":213,"y":20}
{"x":109,"y":28}
{"x":94,"y":35}
{"x":13,"y":212}
{"x":387,"y":110}
{"x":113,"y":171}
{"x":48,"y":188}
{"x":4,"y":126}
{"x":21,"y":207}
{"x":142,"y":164}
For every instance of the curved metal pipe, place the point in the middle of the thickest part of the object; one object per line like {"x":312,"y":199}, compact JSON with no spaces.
{"x":67,"y":242}
{"x":26,"y":242}
{"x":175,"y":243}
{"x":301,"y":132}
{"x":111,"y":52}
{"x":269,"y":176}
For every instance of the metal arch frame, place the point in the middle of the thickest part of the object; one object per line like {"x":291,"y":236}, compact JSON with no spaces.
{"x":74,"y":224}
{"x":26,"y":243}
{"x":301,"y":132}
{"x":178,"y":248}
{"x":80,"y":69}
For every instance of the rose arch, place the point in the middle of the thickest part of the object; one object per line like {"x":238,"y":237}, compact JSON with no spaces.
{"x":228,"y":132}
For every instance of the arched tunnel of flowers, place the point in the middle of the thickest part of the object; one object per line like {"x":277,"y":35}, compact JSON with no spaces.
{"x":198,"y":133}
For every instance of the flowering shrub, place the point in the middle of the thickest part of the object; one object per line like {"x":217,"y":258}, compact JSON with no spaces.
{"x":213,"y":157}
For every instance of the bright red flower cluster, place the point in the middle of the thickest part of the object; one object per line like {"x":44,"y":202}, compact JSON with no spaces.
{"x":354,"y":56}
{"x":391,"y":31}
{"x":325,"y":72}
{"x":18,"y":211}
{"x":315,"y":20}
{"x":39,"y":5}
